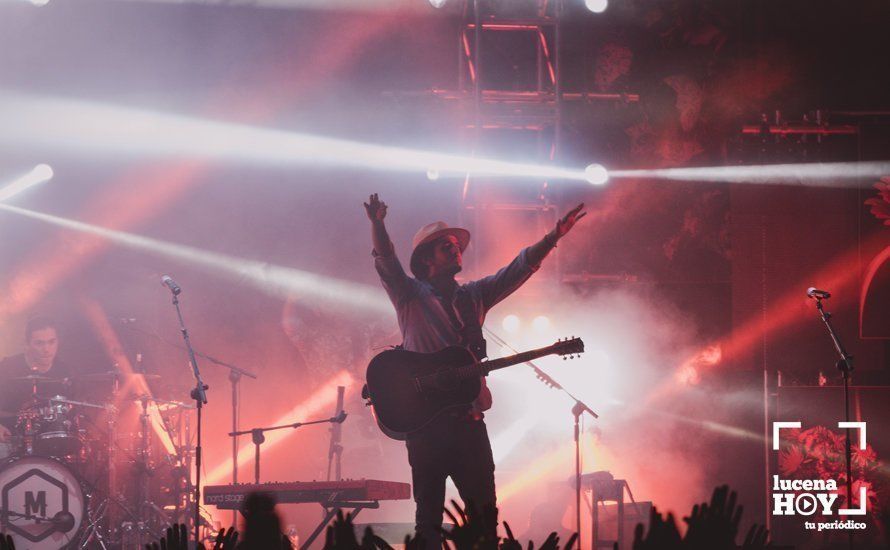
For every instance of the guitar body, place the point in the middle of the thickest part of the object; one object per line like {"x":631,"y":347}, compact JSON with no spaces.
{"x":409,"y":390}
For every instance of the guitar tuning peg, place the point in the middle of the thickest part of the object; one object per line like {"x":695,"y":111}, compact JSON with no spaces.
{"x":563,"y":357}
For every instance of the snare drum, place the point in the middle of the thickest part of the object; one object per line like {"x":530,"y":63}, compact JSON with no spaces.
{"x":42,"y":503}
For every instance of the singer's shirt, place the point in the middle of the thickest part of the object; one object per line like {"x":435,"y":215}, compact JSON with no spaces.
{"x":428,"y":323}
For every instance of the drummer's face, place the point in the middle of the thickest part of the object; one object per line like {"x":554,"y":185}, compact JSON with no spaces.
{"x":42,"y":347}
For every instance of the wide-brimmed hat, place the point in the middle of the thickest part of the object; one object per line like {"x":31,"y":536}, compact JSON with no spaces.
{"x":431,"y":232}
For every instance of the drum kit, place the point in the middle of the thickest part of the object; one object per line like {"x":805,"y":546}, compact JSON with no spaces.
{"x":71,"y":478}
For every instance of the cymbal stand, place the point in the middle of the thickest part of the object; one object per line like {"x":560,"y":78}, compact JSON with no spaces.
{"x":102,"y":511}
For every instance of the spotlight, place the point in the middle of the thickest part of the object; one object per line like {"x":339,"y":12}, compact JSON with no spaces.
{"x":596,"y":174}
{"x":541,"y":323}
{"x":438,"y":3}
{"x":42,"y":172}
{"x":39,"y":174}
{"x":511,"y":323}
{"x":432,"y":174}
{"x":597,"y":6}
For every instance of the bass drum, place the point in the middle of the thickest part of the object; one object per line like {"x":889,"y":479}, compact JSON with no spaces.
{"x":42,"y":503}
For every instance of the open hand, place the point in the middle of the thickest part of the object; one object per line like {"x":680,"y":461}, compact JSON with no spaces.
{"x":175,"y":539}
{"x":714,"y":525}
{"x":226,"y":539}
{"x":375,"y":208}
{"x":567,"y":222}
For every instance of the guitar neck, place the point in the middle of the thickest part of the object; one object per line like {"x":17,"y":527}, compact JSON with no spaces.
{"x":482,"y":369}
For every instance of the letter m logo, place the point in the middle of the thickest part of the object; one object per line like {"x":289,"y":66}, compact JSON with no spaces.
{"x":35,"y":505}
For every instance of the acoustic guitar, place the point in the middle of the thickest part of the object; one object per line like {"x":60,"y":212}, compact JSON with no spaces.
{"x":409,"y":390}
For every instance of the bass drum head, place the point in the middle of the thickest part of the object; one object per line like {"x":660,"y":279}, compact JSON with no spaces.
{"x":42,"y":504}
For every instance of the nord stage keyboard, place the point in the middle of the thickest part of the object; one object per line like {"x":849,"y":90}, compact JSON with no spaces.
{"x":229,"y":497}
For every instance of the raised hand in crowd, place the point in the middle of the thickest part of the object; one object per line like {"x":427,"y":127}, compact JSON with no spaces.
{"x":552,"y":542}
{"x":714,"y":526}
{"x":175,"y":539}
{"x":470,"y":529}
{"x":509,"y":542}
{"x":262,"y":525}
{"x":416,"y":542}
{"x":6,"y":542}
{"x":662,"y":535}
{"x":226,"y":539}
{"x":756,"y":538}
{"x":340,"y":535}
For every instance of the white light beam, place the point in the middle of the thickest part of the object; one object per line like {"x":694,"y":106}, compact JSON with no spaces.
{"x":39,"y":174}
{"x":275,"y":280}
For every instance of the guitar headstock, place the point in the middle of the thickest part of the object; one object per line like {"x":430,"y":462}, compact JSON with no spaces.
{"x":568,"y":347}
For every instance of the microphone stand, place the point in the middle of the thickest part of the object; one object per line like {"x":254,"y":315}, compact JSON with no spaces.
{"x":258,"y":435}
{"x":577,"y":410}
{"x":235,"y":374}
{"x":199,"y":394}
{"x":335,"y":449}
{"x":845,"y":365}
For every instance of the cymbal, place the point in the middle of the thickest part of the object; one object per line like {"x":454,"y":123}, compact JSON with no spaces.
{"x":37,"y":378}
{"x":111,"y":375}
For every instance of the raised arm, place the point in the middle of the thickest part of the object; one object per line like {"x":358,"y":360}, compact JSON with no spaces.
{"x":399,"y":286}
{"x":538,"y":251}
{"x":376,"y":210}
{"x":495,"y":288}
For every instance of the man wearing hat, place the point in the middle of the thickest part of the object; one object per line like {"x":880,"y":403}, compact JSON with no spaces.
{"x":435,"y":312}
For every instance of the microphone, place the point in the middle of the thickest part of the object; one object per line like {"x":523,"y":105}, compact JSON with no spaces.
{"x":63,"y":521}
{"x":813,"y":292}
{"x":171,"y":284}
{"x":340,"y":417}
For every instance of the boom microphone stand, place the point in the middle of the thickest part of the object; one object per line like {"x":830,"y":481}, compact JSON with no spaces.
{"x":258,"y":435}
{"x":235,"y":374}
{"x":845,"y":365}
{"x":199,"y":394}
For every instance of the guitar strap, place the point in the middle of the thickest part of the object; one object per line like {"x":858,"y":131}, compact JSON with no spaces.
{"x":471,"y":332}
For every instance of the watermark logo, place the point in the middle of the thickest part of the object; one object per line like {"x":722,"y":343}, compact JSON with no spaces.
{"x":806,"y":497}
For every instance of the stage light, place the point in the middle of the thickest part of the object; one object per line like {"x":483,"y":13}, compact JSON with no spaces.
{"x":541,"y":323}
{"x":432,"y":175}
{"x":511,"y":323}
{"x":438,"y":3}
{"x":94,"y":129}
{"x":39,"y":174}
{"x":815,"y":174}
{"x":39,"y":3}
{"x":596,"y":174}
{"x":597,"y":6}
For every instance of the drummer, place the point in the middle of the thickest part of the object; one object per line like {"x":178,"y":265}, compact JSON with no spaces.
{"x":36,"y":371}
